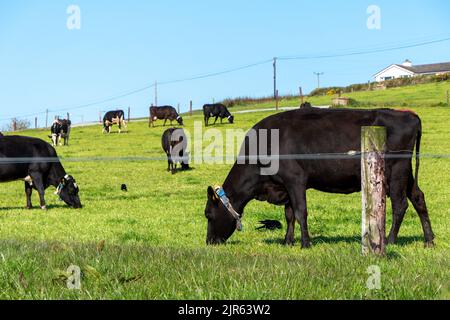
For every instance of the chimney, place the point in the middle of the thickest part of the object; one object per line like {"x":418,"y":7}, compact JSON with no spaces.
{"x":407,"y":63}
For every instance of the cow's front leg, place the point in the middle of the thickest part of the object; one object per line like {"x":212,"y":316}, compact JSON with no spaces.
{"x":290,"y":220}
{"x":215,"y":121}
{"x":28,"y":192}
{"x":39,"y":184}
{"x":165,"y":121}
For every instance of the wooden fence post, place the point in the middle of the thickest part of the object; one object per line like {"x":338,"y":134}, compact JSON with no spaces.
{"x":373,"y":147}
{"x":129,"y":114}
{"x":302,"y":99}
{"x":150,"y":120}
{"x":276,"y":99}
{"x":35,"y":123}
{"x":190,"y":108}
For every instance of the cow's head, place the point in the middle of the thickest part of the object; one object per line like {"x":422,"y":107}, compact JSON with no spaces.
{"x":221,"y":224}
{"x":180,"y":121}
{"x":231,"y":119}
{"x":68,"y":192}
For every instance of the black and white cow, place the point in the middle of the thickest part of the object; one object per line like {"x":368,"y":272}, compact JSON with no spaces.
{"x":174,"y":143}
{"x":316,"y":132}
{"x":114,"y":118}
{"x":36,"y":162}
{"x":60,"y":129}
{"x":217,"y":110}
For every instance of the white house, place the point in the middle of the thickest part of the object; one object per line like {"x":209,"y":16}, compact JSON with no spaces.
{"x":407,"y":69}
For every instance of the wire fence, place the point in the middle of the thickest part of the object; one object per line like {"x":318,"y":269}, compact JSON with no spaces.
{"x":211,"y":159}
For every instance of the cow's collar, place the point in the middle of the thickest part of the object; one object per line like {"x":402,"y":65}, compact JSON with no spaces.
{"x":229,"y":117}
{"x":178,"y":118}
{"x":222,"y":196}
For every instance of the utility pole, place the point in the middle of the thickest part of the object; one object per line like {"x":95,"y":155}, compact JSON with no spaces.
{"x":301,"y":95}
{"x":46,"y":118}
{"x":318,"y":74}
{"x":156,"y":93}
{"x":275,"y":78}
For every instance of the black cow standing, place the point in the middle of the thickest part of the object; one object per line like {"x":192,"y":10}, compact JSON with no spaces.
{"x":60,"y":129}
{"x":217,"y":110}
{"x":315,"y":132}
{"x":174,"y":143}
{"x":36,"y":162}
{"x":164,"y":113}
{"x":114,"y":118}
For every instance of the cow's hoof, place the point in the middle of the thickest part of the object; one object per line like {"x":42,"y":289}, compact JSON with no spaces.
{"x":391,"y":240}
{"x":29,"y":207}
{"x":306,"y":244}
{"x":44,"y":208}
{"x":289,"y":243}
{"x":430,"y":244}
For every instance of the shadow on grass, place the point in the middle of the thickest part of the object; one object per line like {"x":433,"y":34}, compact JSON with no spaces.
{"x":36,"y":208}
{"x":402,"y":241}
{"x":180,"y":170}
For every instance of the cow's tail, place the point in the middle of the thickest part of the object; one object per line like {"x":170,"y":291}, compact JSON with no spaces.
{"x":418,"y":144}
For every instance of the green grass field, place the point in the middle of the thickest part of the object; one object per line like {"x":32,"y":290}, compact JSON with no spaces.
{"x":431,"y":94}
{"x":149,"y":243}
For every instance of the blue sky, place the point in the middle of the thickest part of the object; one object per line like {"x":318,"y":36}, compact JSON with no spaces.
{"x":126,"y":45}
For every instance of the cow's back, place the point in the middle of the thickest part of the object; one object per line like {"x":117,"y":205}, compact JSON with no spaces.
{"x":16,"y":150}
{"x":328,"y":139}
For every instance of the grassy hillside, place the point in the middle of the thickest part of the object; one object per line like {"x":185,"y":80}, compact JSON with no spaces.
{"x":154,"y":235}
{"x":423,"y":95}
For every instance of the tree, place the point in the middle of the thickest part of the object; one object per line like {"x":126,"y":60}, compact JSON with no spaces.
{"x":16,"y":125}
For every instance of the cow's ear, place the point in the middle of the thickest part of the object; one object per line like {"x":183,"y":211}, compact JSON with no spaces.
{"x":211,"y":194}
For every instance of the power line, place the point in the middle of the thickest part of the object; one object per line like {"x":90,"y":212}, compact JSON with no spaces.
{"x":363,"y":52}
{"x":215,"y":74}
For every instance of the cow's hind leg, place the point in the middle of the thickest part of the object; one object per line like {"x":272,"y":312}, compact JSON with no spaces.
{"x":399,"y":207}
{"x":28,"y":192}
{"x":295,"y":182}
{"x":418,"y":200}
{"x":290,"y":220}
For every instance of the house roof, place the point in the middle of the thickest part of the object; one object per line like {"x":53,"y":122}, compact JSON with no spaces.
{"x":428,"y":68}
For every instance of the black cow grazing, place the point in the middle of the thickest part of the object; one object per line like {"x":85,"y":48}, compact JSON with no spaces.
{"x":316,"y":131}
{"x":60,"y":129}
{"x":114,"y":118}
{"x":36,"y":162}
{"x":306,"y":105}
{"x":174,"y":144}
{"x":217,"y":110}
{"x":164,"y":113}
